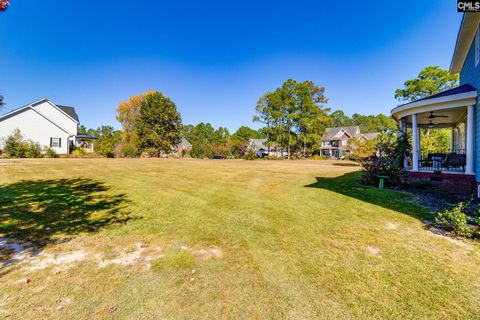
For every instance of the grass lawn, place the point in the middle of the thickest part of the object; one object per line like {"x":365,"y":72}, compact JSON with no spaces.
{"x":175,"y":239}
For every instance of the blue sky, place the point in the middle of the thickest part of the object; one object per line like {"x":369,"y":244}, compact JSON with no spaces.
{"x":214,"y":59}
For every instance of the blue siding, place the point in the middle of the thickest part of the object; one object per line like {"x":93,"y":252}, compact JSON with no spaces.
{"x":471,"y":75}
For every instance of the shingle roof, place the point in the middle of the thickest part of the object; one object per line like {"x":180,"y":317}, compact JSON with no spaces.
{"x":330,"y":133}
{"x":259,"y":143}
{"x":69,"y":110}
{"x":184,"y":143}
{"x":460,"y":89}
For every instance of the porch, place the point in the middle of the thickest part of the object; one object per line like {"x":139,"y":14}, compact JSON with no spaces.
{"x":85,"y":142}
{"x":452,"y":110}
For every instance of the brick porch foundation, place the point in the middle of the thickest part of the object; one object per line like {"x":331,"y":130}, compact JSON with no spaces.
{"x":455,"y":183}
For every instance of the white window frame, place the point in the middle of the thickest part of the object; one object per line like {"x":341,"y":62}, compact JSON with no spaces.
{"x":477,"y":47}
{"x":55,"y":142}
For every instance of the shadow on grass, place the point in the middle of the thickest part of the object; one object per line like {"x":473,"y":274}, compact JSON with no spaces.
{"x":349,"y":185}
{"x":42,"y":212}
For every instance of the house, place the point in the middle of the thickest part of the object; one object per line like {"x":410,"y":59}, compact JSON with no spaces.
{"x":335,"y":141}
{"x":52,"y":126}
{"x":183,"y":148}
{"x":259,"y":146}
{"x":455,"y":109}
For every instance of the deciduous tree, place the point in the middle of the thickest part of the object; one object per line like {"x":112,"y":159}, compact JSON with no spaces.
{"x":158,"y":125}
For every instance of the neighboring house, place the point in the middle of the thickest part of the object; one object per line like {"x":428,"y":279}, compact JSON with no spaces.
{"x":182,"y":148}
{"x":456,"y":109}
{"x":261,"y":149}
{"x":52,"y":126}
{"x":335,"y":141}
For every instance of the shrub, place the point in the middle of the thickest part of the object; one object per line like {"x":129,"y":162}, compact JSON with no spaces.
{"x":455,"y":220}
{"x":33,"y":150}
{"x":250,"y":155}
{"x":79,"y":152}
{"x":373,"y":167}
{"x":50,"y":153}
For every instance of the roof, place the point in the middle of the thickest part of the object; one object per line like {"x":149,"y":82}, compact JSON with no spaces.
{"x":370,"y":135}
{"x":86,"y":136}
{"x":185,"y":143}
{"x":458,"y":90}
{"x":464,"y":94}
{"x":465,"y":36}
{"x":69,"y":110}
{"x":331,"y":133}
{"x":259,"y":143}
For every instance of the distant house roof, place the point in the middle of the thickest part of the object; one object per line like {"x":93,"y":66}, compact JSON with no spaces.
{"x":333,"y":133}
{"x":258,"y":143}
{"x":69,"y":110}
{"x":184,"y":143}
{"x":370,"y":136}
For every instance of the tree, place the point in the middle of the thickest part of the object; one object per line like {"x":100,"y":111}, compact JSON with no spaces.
{"x":240,"y":138}
{"x":293,"y":112}
{"x":107,"y":139}
{"x":372,"y":123}
{"x":158,"y":124}
{"x":4,"y":5}
{"x":340,"y":119}
{"x":127,"y":114}
{"x":429,"y":81}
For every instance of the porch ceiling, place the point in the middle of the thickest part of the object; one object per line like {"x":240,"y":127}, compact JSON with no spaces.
{"x":442,"y":118}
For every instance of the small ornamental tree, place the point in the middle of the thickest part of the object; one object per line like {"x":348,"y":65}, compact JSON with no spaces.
{"x":158,"y":125}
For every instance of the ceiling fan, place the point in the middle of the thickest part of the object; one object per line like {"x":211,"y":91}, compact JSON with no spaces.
{"x":432,"y":116}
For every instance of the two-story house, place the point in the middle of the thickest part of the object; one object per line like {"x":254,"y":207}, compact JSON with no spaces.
{"x":456,"y":109}
{"x":52,"y":126}
{"x":335,"y":141}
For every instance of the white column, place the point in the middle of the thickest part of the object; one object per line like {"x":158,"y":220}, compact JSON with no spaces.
{"x":415,"y":144}
{"x":470,"y":137}
{"x":452,"y":140}
{"x":403,"y":129}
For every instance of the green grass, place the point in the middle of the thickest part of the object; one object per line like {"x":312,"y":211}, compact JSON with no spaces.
{"x":205,"y":239}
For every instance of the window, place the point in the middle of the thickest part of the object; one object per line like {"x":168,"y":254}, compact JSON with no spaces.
{"x":55,"y":142}
{"x":477,"y":47}
{"x":344,"y":142}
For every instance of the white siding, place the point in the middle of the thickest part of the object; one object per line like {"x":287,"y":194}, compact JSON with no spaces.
{"x":33,"y":127}
{"x":57,"y":116}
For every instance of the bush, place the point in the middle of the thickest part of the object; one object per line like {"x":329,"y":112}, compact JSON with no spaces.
{"x":33,"y":150}
{"x":273,"y":158}
{"x":79,"y":152}
{"x":250,"y":155}
{"x":455,"y":220}
{"x":50,"y":153}
{"x":16,"y":147}
{"x":373,"y":167}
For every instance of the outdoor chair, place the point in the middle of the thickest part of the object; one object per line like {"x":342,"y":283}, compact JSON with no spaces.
{"x":455,"y":160}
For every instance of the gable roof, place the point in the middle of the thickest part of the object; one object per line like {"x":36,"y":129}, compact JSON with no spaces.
{"x":69,"y":111}
{"x":259,"y":143}
{"x":465,"y":36}
{"x":332,"y":133}
{"x":184,"y":143}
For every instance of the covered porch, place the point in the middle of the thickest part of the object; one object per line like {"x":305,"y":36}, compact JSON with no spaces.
{"x":85,"y":142}
{"x":453,"y":110}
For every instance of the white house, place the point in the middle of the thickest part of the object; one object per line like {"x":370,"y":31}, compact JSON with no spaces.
{"x":52,"y":126}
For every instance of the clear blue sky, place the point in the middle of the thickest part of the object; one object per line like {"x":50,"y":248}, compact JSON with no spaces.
{"x":214,"y":59}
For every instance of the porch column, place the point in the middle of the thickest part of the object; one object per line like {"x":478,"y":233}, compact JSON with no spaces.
{"x":403,"y":129}
{"x":452,"y":140}
{"x":415,"y":144}
{"x":470,"y":137}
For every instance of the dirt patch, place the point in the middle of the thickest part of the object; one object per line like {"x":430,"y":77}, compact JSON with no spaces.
{"x":204,"y":253}
{"x":437,"y":200}
{"x":137,"y":256}
{"x":391,"y":226}
{"x":373,"y":251}
{"x":62,"y":261}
